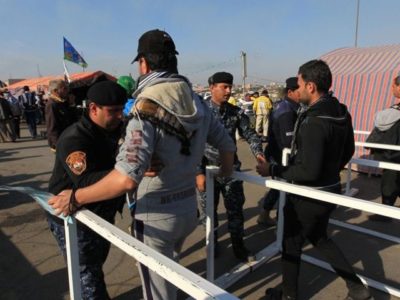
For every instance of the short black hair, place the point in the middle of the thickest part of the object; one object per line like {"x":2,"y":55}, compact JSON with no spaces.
{"x":265,"y":93}
{"x":397,"y":80}
{"x":318,"y":72}
{"x":162,"y":61}
{"x":26,"y":88}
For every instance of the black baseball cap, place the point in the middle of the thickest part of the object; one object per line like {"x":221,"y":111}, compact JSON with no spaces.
{"x":155,"y":41}
{"x":291,"y":84}
{"x":107,"y":93}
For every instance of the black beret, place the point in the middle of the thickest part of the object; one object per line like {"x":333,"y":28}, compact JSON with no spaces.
{"x":221,"y":77}
{"x":107,"y":93}
{"x":291,"y":83}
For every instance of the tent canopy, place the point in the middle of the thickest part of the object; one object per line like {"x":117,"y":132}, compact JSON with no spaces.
{"x":362,"y":79}
{"x":77,"y":80}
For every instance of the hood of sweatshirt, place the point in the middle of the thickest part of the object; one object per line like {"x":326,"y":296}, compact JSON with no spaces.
{"x":176,"y":96}
{"x":385,"y":119}
{"x":329,"y":108}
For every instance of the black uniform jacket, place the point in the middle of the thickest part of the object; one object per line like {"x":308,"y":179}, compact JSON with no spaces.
{"x":85,"y":154}
{"x":324,"y":143}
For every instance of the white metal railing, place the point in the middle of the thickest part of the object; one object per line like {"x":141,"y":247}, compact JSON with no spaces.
{"x":377,"y":146}
{"x":264,"y":255}
{"x":189,"y":282}
{"x":361,"y":132}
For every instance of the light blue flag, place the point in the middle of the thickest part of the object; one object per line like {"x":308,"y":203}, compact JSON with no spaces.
{"x":40,"y":197}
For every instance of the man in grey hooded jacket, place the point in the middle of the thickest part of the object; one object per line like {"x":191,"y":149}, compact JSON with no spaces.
{"x":387,"y":131}
{"x":172,"y":124}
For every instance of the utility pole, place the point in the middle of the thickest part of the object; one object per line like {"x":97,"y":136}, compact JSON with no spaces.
{"x":357,"y":17}
{"x":244,"y":61}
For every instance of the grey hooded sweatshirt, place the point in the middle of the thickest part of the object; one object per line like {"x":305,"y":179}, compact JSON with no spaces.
{"x":172,"y":192}
{"x":385,"y":119}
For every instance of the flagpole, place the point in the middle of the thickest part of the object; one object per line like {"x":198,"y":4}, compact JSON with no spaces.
{"x":66,"y":73}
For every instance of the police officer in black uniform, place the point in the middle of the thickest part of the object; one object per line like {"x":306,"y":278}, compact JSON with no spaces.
{"x":233,"y":118}
{"x":86,"y":152}
{"x":280,"y":134}
{"x":323,"y":143}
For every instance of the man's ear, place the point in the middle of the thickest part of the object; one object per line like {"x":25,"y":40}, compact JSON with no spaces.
{"x":312,"y":88}
{"x":143,"y":66}
{"x":93,"y":108}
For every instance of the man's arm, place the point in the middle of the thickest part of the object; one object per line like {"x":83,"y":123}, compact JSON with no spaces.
{"x":349,"y":146}
{"x":250,"y":135}
{"x":132,"y":162}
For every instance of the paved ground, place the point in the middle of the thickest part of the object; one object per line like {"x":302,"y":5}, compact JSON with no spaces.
{"x":31,"y":267}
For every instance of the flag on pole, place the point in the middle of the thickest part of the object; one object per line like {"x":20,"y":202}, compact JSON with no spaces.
{"x":72,"y":55}
{"x":67,"y":78}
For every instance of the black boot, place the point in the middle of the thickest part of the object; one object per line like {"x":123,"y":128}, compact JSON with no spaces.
{"x":216,"y":245}
{"x":240,"y":251}
{"x":358,"y":292}
{"x":276,"y":294}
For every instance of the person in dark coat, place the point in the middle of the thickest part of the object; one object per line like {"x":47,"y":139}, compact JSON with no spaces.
{"x":387,"y":131}
{"x":323,"y":143}
{"x":280,"y":134}
{"x":29,"y":103}
{"x":79,"y":163}
{"x":59,"y":113}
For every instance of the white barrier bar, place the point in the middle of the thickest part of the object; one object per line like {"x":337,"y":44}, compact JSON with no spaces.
{"x":71,"y":248}
{"x":365,"y":231}
{"x":361,"y":132}
{"x":376,"y":164}
{"x":184,"y":279}
{"x":375,"y":208}
{"x":378,"y":146}
{"x":238,"y":272}
{"x":210,"y":224}
{"x":368,"y":163}
{"x":393,"y":212}
{"x":370,"y":282}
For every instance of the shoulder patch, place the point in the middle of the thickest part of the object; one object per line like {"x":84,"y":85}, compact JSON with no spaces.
{"x":76,"y":161}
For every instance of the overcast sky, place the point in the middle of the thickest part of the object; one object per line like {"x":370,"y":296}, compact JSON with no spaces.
{"x":278,"y":36}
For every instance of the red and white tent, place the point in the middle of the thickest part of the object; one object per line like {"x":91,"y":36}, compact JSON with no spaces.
{"x":362,"y":79}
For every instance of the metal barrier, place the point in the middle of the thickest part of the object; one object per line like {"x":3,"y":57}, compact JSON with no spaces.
{"x":189,"y":282}
{"x":270,"y":251}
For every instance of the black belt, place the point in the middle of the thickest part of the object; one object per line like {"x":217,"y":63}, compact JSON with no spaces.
{"x":178,"y":196}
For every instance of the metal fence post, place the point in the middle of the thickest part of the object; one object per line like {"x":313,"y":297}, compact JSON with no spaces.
{"x":210,"y":224}
{"x":281,"y":218}
{"x":71,"y":247}
{"x":282,"y":201}
{"x":348,"y":182}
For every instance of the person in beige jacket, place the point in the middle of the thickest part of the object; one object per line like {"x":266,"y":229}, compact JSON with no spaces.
{"x":262,"y":108}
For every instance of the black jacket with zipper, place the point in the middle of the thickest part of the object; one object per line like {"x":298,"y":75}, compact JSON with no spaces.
{"x":323,"y":145}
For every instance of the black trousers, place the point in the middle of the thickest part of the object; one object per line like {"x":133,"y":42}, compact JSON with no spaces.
{"x":390,"y":187}
{"x":270,"y":199}
{"x":307,"y":219}
{"x":16,"y":125}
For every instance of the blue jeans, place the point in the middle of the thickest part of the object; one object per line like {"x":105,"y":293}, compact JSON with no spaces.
{"x":30,"y":117}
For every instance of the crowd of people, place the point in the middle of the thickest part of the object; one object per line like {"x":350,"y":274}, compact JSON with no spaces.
{"x":28,"y":106}
{"x":152,"y":141}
